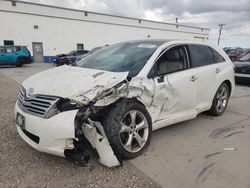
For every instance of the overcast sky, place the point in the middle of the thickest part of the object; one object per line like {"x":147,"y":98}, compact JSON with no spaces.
{"x":234,"y":13}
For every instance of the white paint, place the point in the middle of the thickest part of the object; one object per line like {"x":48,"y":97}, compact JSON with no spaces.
{"x":76,"y":83}
{"x":53,"y":132}
{"x":230,"y":149}
{"x":61,"y":29}
{"x":176,"y":99}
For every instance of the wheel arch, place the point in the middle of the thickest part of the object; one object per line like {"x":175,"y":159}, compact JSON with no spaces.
{"x":122,"y":101}
{"x":229,"y":84}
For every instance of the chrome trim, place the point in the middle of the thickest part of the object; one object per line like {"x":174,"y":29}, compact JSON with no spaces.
{"x":38,"y":105}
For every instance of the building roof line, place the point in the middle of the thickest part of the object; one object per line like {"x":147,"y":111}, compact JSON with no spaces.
{"x":126,"y":17}
{"x":127,"y":25}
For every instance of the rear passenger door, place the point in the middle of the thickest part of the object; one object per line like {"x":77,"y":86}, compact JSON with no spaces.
{"x":203,"y":63}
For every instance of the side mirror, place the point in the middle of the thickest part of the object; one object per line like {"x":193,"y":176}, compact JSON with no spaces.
{"x":160,"y":78}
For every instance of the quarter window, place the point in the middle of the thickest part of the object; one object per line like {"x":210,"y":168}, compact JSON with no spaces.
{"x":217,"y":57}
{"x":200,"y":55}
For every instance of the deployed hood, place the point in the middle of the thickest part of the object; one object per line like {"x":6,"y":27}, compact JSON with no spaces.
{"x":76,"y":83}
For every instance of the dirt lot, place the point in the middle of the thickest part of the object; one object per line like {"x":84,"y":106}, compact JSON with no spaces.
{"x":22,"y":166}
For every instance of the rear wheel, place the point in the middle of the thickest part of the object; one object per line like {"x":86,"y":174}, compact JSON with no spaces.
{"x":20,"y":61}
{"x":19,"y":64}
{"x":220,"y":100}
{"x":128,"y":127}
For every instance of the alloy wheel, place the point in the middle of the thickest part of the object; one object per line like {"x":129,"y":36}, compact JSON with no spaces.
{"x":134,"y":131}
{"x":221,"y":99}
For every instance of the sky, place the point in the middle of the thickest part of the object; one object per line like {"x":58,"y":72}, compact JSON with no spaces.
{"x":234,"y":13}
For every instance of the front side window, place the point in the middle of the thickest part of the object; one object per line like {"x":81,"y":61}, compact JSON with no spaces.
{"x":200,"y":55}
{"x":172,"y":60}
{"x":123,"y":57}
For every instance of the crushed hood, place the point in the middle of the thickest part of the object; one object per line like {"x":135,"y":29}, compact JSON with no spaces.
{"x":76,"y":83}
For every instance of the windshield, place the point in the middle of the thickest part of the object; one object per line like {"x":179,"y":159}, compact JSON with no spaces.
{"x":124,"y":57}
{"x":71,"y":52}
{"x":245,"y":58}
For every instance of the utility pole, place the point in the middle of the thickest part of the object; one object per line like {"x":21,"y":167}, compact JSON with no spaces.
{"x":220,"y":25}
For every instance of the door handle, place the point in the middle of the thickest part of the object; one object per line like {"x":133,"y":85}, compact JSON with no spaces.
{"x":193,"y":78}
{"x":218,"y":70}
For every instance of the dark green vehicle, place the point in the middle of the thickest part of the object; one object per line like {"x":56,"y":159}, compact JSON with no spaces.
{"x":14,"y":55}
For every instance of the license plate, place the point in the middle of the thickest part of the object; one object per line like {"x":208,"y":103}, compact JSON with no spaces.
{"x":20,"y":120}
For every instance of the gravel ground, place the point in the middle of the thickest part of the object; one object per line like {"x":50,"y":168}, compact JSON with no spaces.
{"x":22,"y":166}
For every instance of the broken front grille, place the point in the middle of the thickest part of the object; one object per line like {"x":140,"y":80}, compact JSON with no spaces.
{"x":38,"y":105}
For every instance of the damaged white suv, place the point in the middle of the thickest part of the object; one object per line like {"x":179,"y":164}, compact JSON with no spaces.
{"x":113,"y":99}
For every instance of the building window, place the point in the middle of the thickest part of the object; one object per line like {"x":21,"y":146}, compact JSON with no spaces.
{"x":8,"y":42}
{"x":13,"y":3}
{"x":36,"y":27}
{"x":80,"y":46}
{"x":86,"y":13}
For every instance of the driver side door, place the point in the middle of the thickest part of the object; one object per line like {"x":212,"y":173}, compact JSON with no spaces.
{"x":175,"y":87}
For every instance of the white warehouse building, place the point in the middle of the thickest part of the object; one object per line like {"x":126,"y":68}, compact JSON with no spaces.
{"x":50,"y":30}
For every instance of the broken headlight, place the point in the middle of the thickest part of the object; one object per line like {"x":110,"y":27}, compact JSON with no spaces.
{"x":67,"y":104}
{"x":64,"y":105}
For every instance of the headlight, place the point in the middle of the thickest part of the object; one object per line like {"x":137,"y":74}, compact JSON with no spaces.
{"x":66,"y":105}
{"x":62,"y":106}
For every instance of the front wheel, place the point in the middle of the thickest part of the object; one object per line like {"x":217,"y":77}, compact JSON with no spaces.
{"x":220,"y":100}
{"x":128,"y":128}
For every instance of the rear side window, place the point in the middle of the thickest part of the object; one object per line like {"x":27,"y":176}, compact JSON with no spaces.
{"x":9,"y":50}
{"x":16,"y":49}
{"x":79,"y":53}
{"x":217,"y":57}
{"x":200,"y":55}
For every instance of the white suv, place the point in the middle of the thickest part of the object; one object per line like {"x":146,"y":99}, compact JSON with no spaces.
{"x":115,"y":97}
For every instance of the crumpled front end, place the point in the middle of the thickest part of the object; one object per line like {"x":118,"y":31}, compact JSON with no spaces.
{"x":68,"y":133}
{"x":52,"y":135}
{"x":72,"y":126}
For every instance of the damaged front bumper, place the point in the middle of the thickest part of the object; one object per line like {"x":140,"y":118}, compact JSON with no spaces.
{"x":56,"y":135}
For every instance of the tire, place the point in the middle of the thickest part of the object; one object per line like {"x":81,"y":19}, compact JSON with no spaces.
{"x":220,"y":100}
{"x":128,"y":136}
{"x":67,"y":62}
{"x":20,"y":61}
{"x":19,"y":64}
